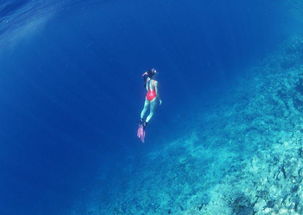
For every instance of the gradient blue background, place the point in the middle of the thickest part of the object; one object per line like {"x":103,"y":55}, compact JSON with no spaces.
{"x":71,"y":90}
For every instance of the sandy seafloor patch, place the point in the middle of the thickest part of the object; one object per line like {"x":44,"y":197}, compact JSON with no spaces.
{"x":244,"y":156}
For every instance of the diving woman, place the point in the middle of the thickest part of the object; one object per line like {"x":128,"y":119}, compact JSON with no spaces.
{"x":152,"y":99}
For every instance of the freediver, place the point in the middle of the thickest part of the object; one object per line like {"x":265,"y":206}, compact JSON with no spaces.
{"x":152,"y":99}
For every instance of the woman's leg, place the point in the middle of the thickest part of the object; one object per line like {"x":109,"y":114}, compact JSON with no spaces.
{"x":146,"y":103}
{"x":153,"y":105}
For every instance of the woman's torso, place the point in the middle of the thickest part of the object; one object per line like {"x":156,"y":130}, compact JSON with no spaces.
{"x":150,"y":85}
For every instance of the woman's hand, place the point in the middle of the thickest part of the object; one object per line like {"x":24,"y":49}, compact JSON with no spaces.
{"x":160,"y":102}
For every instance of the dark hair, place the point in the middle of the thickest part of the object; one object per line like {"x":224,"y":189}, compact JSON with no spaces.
{"x":148,"y":74}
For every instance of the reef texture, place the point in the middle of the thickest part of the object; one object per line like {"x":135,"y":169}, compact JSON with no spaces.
{"x":270,"y":182}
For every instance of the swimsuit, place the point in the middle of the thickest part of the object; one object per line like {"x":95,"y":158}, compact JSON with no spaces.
{"x":151,"y":93}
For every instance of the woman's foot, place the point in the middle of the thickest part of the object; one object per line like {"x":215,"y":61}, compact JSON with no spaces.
{"x":143,"y":123}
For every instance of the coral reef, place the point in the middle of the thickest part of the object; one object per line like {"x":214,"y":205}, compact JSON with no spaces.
{"x":270,"y":182}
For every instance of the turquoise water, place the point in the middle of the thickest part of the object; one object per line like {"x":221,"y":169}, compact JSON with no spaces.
{"x":227,"y":139}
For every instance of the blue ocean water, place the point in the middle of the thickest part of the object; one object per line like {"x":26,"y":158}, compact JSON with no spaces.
{"x":71,"y":88}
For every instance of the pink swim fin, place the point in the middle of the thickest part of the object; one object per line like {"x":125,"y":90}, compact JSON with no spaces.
{"x":141,"y":133}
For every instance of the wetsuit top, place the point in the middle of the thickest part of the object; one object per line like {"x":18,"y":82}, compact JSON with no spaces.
{"x":151,"y":92}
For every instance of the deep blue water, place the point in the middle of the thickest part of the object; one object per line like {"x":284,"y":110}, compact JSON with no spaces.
{"x":71,"y":88}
